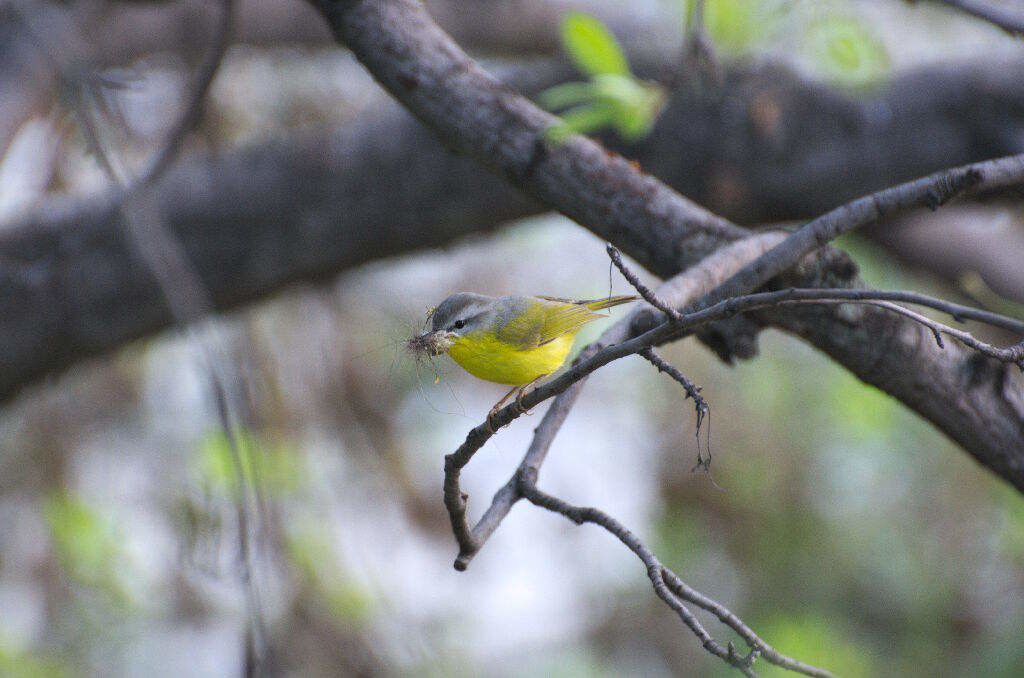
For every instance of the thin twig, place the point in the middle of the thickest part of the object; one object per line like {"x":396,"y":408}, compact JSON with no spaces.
{"x":723,"y":309}
{"x":673,"y":590}
{"x":455,"y":500}
{"x":471,"y":540}
{"x":649,"y":295}
{"x":179,"y":284}
{"x":679,"y":290}
{"x":692,"y":391}
{"x":422,"y":67}
{"x":195,"y":99}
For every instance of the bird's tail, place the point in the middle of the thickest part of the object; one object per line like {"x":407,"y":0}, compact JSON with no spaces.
{"x":608,"y":302}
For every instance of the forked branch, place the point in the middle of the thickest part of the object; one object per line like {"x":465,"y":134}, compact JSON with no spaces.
{"x":420,"y":65}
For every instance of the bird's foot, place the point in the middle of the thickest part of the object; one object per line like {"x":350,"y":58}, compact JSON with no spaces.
{"x":519,"y":401}
{"x":492,"y":428}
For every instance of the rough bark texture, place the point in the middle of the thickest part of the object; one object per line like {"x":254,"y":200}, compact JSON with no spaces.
{"x":258,"y":219}
{"x":475,"y":114}
{"x":251,"y":222}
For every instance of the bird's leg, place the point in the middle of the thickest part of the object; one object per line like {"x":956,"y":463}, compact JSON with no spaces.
{"x":497,"y":406}
{"x":522,"y":392}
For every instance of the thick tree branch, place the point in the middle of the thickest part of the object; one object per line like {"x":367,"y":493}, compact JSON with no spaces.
{"x":257,"y":219}
{"x":432,"y":77}
{"x":71,"y":290}
{"x":250,"y":223}
{"x":986,"y":240}
{"x":523,"y":482}
{"x":639,"y":339}
{"x":474,"y":113}
{"x":120,"y":33}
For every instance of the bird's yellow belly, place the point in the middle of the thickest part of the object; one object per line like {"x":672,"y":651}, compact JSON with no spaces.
{"x":493,"y":360}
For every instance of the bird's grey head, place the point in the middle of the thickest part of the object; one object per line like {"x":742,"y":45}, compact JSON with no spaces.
{"x":461,"y":313}
{"x":457,"y":315}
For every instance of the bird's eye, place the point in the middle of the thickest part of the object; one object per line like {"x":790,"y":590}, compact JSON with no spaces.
{"x":459,"y":324}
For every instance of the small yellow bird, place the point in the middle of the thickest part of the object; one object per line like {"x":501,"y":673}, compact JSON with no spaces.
{"x":508,"y":340}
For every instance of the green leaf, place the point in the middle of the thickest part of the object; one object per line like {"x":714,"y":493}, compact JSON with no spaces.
{"x":613,"y":97}
{"x":618,"y":88}
{"x":592,"y":46}
{"x":636,"y":104}
{"x":845,"y":51}
{"x":582,"y":120}
{"x":567,"y":94}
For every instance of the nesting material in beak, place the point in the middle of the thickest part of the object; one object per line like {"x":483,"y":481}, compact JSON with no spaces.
{"x":430,"y":343}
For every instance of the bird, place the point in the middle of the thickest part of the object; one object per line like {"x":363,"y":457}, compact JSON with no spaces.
{"x":512,"y":340}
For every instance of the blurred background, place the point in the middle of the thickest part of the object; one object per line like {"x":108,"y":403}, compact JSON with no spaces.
{"x":138,"y":539}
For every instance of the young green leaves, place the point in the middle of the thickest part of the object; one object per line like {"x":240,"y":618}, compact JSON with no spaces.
{"x":829,"y":41}
{"x":612,"y":98}
{"x":847,"y":52}
{"x":593,"y":48}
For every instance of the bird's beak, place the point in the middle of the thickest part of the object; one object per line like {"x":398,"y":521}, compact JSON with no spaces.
{"x":431,"y":343}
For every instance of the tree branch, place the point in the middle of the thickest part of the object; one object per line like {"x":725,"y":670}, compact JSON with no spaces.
{"x":638,"y":340}
{"x":995,"y":12}
{"x":668,"y":586}
{"x":673,"y":590}
{"x":523,"y":482}
{"x":960,"y":240}
{"x":55,"y":305}
{"x":692,"y":284}
{"x":228,"y":211}
{"x":474,"y":113}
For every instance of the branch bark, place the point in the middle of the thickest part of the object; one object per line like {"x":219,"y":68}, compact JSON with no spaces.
{"x":474,"y":113}
{"x":72,"y":289}
{"x":946,"y":244}
{"x":228,"y":211}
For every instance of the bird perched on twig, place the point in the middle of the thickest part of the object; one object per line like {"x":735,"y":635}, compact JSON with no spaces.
{"x":514,"y":340}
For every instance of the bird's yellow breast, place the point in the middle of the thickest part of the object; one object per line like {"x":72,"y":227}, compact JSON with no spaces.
{"x":485,"y":356}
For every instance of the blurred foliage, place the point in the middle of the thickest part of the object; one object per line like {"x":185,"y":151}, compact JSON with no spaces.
{"x":612,"y":98}
{"x":21,"y":665}
{"x":863,"y":540}
{"x":821,"y":641}
{"x":274,"y":468}
{"x":859,"y":411}
{"x":592,"y":47}
{"x":568,"y":664}
{"x":839,"y":47}
{"x":312,"y":553}
{"x":678,"y":540}
{"x":1011,"y":532}
{"x":846,"y":52}
{"x":87,"y":546}
{"x":848,"y":532}
{"x":737,"y":26}
{"x":976,"y":287}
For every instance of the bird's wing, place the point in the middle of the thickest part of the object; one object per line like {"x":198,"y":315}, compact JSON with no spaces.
{"x":594,"y":304}
{"x":544,"y":320}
